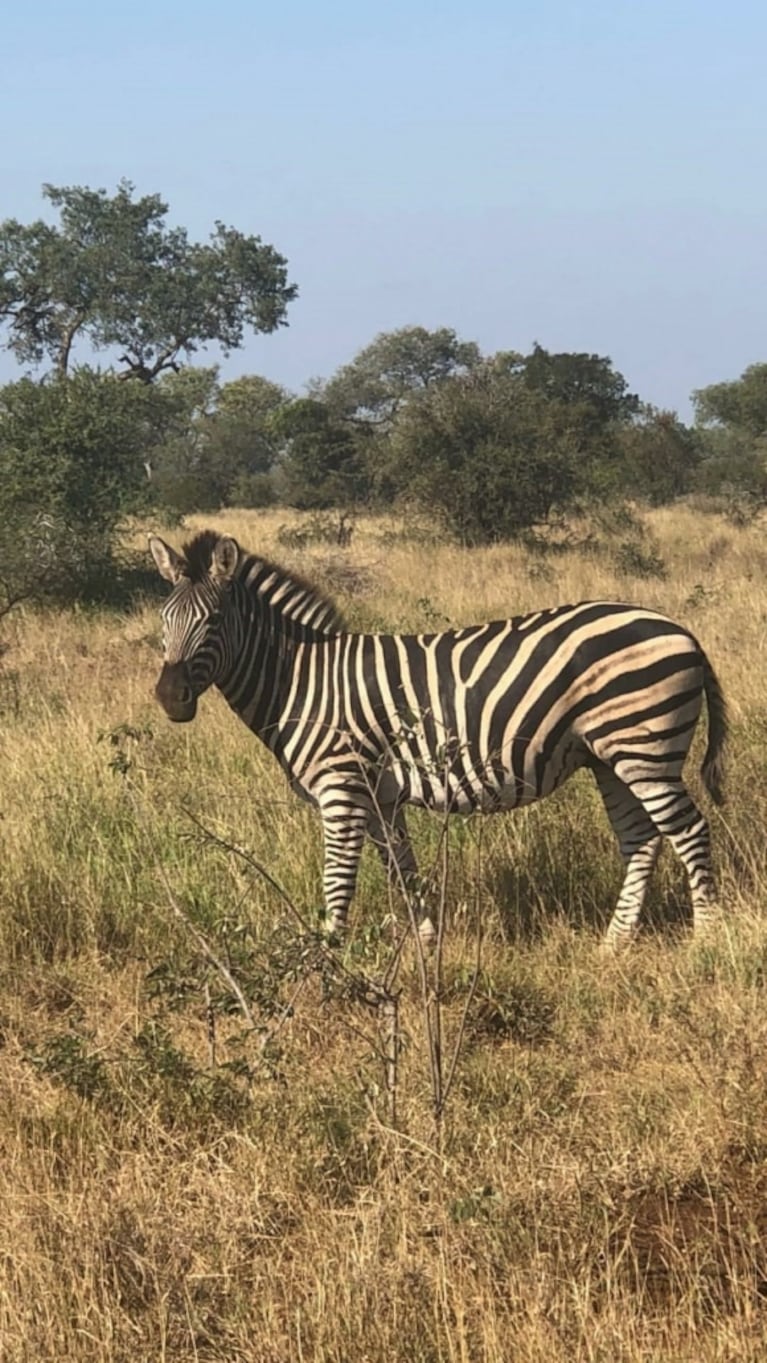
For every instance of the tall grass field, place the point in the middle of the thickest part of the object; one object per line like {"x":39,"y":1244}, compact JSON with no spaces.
{"x":211,"y":1148}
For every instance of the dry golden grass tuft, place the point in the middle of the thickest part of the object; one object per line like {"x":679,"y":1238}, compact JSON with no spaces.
{"x":598,"y":1186}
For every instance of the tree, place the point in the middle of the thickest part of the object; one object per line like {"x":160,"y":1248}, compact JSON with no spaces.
{"x":657,"y":457}
{"x":243,"y":426}
{"x":396,"y":364}
{"x":113,"y":273}
{"x":591,"y":401}
{"x":73,"y":464}
{"x":585,"y":382}
{"x":224,"y":450}
{"x":322,"y":464}
{"x":176,"y":464}
{"x":739,"y":405}
{"x":732,"y":421}
{"x":485,"y":452}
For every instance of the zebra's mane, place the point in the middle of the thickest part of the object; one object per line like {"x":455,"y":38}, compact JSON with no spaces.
{"x":198,"y":554}
{"x":283,"y":591}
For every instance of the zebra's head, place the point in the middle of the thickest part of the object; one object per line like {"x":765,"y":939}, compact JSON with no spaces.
{"x":200,"y":619}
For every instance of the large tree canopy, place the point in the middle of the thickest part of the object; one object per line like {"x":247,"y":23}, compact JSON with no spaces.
{"x":112,"y":272}
{"x":586,"y":383}
{"x":487,"y":453}
{"x":657,"y":457}
{"x":396,"y":364}
{"x":740,"y":404}
{"x":323,"y":461}
{"x":732,"y":422}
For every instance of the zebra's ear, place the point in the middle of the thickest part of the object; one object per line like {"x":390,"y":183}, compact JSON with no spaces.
{"x":170,"y":565}
{"x":225,"y":557}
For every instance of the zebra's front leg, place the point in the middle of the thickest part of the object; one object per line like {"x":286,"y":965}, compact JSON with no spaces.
{"x":388,"y":831}
{"x":344,"y":833}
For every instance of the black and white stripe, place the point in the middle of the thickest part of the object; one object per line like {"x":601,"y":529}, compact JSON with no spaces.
{"x":487,"y":717}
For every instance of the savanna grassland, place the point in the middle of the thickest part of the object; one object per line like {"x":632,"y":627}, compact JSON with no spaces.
{"x":198,"y":1157}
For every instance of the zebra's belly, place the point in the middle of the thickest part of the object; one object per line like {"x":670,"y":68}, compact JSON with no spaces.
{"x":487,"y":800}
{"x":455,"y":786}
{"x":463,"y":789}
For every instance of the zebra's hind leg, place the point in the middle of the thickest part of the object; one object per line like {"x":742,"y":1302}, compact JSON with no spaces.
{"x":675,"y":815}
{"x":388,"y":831}
{"x":639,"y":842}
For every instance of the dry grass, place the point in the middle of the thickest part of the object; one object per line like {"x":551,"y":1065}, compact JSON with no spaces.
{"x":598,"y":1189}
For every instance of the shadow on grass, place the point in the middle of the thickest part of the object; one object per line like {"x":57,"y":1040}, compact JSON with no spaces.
{"x":528,"y":903}
{"x":118,"y":582}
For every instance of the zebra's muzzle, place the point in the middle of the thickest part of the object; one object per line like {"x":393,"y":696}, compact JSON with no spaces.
{"x":175,"y":694}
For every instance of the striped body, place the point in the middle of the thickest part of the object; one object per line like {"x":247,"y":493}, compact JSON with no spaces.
{"x":487,"y":717}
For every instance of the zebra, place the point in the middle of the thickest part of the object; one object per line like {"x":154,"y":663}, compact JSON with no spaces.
{"x":481,"y":718}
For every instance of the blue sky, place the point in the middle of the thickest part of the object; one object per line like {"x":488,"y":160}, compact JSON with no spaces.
{"x":589,"y":175}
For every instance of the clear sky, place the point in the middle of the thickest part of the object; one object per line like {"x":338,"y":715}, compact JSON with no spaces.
{"x":589,"y":175}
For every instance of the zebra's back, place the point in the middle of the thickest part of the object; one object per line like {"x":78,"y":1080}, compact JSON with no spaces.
{"x":497,"y":715}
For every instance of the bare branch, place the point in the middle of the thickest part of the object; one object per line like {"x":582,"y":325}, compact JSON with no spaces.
{"x":13,"y":597}
{"x":183,"y":917}
{"x":475,"y":975}
{"x":147,"y":373}
{"x":365,"y":989}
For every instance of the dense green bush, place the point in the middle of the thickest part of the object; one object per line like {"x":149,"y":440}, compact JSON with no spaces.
{"x":484,"y":452}
{"x":72,"y":467}
{"x":323,"y":462}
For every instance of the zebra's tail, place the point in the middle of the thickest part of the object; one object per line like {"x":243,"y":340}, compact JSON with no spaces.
{"x":712,"y":768}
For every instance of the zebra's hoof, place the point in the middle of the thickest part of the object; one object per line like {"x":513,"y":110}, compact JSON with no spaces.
{"x":427,"y":935}
{"x":709,"y":934}
{"x":615,"y":943}
{"x":333,"y":934}
{"x":707,"y":924}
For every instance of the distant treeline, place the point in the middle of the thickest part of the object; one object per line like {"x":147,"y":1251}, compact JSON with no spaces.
{"x":490,"y":446}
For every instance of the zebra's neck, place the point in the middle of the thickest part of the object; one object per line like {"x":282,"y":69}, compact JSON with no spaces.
{"x":279,"y":615}
{"x":296,"y":607}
